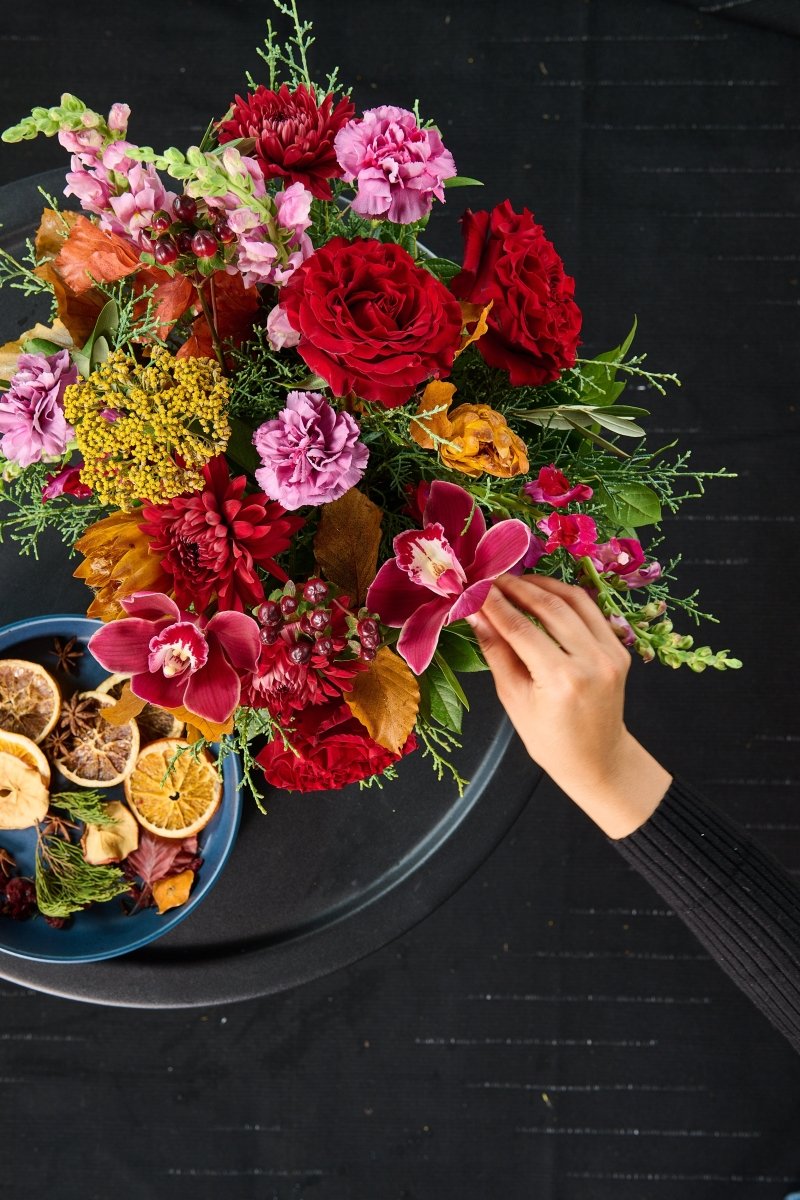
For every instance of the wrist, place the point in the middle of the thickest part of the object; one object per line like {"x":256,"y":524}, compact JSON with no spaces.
{"x":625,"y":792}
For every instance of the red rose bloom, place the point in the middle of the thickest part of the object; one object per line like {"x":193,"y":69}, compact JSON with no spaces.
{"x":370,"y":320}
{"x":534,"y":322}
{"x":210,"y":542}
{"x":293,"y":134}
{"x":334,"y":750}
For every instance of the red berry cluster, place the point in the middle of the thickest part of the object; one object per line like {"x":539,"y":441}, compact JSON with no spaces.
{"x":182,"y":233}
{"x":18,"y":900}
{"x":306,"y":610}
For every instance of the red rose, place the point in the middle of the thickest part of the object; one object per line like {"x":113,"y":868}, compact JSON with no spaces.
{"x":370,"y":320}
{"x":534,"y":322}
{"x":293,"y":134}
{"x":335,"y":750}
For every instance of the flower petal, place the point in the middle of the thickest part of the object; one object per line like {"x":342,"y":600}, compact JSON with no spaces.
{"x":393,"y":596}
{"x":452,"y":507}
{"x":470,"y":600}
{"x":417,"y":642}
{"x":500,"y":548}
{"x":214,"y":691}
{"x":123,"y":645}
{"x":155,"y":688}
{"x":238,"y":635}
{"x":150,"y":606}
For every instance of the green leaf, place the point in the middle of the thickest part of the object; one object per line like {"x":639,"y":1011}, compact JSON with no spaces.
{"x":458,"y":646}
{"x":443,"y":268}
{"x":632,"y":505}
{"x":240,"y":449}
{"x":41,"y":346}
{"x":462,"y":181}
{"x":438,"y":701}
{"x":451,"y":679}
{"x":599,"y":378}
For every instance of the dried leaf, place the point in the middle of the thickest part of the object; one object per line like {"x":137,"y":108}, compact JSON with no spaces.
{"x":200,"y":727}
{"x":91,"y":253}
{"x":156,"y":857}
{"x":235,"y":308}
{"x":174,"y":891}
{"x":127,"y":706}
{"x":347,"y":541}
{"x":436,"y":395}
{"x":385,"y":699}
{"x":476,"y":323}
{"x":53,"y":231}
{"x":171,"y":298}
{"x":9,"y":354}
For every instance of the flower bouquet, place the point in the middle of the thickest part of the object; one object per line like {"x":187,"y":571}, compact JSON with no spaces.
{"x":294,"y":448}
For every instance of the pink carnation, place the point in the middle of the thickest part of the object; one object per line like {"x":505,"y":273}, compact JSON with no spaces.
{"x":552,"y":487}
{"x":398,"y":167}
{"x":574,"y":532}
{"x":310,"y":454}
{"x":32,"y":419}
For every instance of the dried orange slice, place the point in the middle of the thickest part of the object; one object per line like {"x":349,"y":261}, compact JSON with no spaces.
{"x":153,"y":722}
{"x":26,"y":751}
{"x":30,"y":699}
{"x":24,"y":796}
{"x":175,"y":804}
{"x":96,"y":753}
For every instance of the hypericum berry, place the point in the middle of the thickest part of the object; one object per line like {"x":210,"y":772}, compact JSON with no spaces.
{"x":184,"y":242}
{"x":161,"y":221}
{"x":269,"y":613}
{"x":204,"y":244}
{"x":319,"y":619}
{"x":367,"y":653}
{"x":185,"y":208}
{"x":369,"y":634}
{"x":166,"y":252}
{"x":301,"y":652}
{"x":20,"y":898}
{"x":315,"y":591}
{"x":269,"y":635}
{"x":288,"y":605}
{"x":323,"y":646}
{"x":223,"y":232}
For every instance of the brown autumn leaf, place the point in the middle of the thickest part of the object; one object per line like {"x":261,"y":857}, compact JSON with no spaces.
{"x":54,"y":229}
{"x":347,"y":542}
{"x":173,"y":891}
{"x":127,"y":706}
{"x":211,"y":731}
{"x":385,"y":699}
{"x":476,"y":323}
{"x":173,"y":295}
{"x":78,"y":312}
{"x":91,"y":254}
{"x":9,"y":354}
{"x":436,"y":395}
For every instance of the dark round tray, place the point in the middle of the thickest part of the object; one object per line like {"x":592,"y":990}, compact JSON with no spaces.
{"x":320,"y":880}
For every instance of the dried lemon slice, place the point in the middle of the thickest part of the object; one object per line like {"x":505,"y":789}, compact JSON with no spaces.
{"x":30,"y":699}
{"x":153,"y":722}
{"x":26,"y":751}
{"x":24,"y":796}
{"x":175,"y":804}
{"x":96,"y":753}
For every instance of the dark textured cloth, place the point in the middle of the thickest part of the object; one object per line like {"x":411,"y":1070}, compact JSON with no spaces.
{"x":738,"y":900}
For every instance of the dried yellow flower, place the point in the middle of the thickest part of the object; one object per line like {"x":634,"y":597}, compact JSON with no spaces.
{"x":146,"y":432}
{"x":116,"y":563}
{"x":479,"y":440}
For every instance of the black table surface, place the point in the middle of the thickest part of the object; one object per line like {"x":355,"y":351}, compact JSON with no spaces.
{"x":551,"y":1030}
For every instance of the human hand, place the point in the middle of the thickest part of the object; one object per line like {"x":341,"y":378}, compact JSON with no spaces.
{"x":563,"y":687}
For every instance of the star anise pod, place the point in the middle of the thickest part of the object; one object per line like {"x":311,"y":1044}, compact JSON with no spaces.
{"x":7,"y":862}
{"x":57,"y":744}
{"x":78,"y":714}
{"x":58,"y":827}
{"x":66,"y":654}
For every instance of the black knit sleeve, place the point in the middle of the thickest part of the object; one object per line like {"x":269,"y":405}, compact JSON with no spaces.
{"x":738,"y":900}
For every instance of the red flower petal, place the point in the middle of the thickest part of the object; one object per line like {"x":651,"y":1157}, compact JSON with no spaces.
{"x":213,"y":693}
{"x":123,"y":645}
{"x":417,"y":642}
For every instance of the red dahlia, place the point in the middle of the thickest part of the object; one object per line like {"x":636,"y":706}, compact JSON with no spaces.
{"x":293,"y":134}
{"x":212,"y":541}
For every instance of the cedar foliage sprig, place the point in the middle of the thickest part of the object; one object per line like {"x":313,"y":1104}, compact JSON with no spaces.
{"x":88,"y":806}
{"x":66,"y":883}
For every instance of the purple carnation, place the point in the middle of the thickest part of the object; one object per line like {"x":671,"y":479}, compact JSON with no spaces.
{"x":32,"y":421}
{"x":398,"y":167}
{"x":310,"y":454}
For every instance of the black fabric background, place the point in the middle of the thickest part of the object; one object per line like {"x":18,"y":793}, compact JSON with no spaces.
{"x":552,"y":1031}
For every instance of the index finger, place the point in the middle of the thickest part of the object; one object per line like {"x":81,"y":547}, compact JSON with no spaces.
{"x":516,"y":586}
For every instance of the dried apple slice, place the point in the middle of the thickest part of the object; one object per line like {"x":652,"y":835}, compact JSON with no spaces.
{"x":24,"y":796}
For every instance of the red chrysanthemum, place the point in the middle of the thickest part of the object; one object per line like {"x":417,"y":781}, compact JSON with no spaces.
{"x":211,"y":542}
{"x":293,"y":134}
{"x":284,"y":686}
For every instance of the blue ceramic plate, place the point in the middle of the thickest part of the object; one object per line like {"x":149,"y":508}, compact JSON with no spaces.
{"x":103,"y":931}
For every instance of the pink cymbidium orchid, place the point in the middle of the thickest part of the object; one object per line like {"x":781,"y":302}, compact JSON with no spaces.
{"x":443,"y":572}
{"x":178,"y":659}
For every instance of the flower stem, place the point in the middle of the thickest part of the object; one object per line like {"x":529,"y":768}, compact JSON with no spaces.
{"x":209,"y":316}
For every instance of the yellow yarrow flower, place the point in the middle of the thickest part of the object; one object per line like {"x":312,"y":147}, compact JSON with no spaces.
{"x":133,"y":422}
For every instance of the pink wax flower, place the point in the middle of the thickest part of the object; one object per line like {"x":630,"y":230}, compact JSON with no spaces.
{"x":618,"y":556}
{"x":32,"y":421}
{"x":178,"y":659}
{"x":443,"y":572}
{"x":398,"y":167}
{"x":66,"y":482}
{"x":310,"y":454}
{"x":574,"y":532}
{"x":552,"y":487}
{"x":279,"y":332}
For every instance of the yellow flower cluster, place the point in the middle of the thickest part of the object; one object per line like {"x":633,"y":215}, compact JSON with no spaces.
{"x":146,"y":431}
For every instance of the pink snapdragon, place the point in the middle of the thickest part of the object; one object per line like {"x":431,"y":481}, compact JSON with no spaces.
{"x":133,"y":209}
{"x":618,"y":556}
{"x":552,"y":487}
{"x":32,"y":421}
{"x":66,"y":482}
{"x":310,"y":454}
{"x":397,"y":166}
{"x":574,"y":532}
{"x":279,"y":331}
{"x":178,"y":659}
{"x":258,"y":258}
{"x":442,"y":572}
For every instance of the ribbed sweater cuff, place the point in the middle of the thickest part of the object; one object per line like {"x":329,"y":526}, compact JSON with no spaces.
{"x":738,"y":900}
